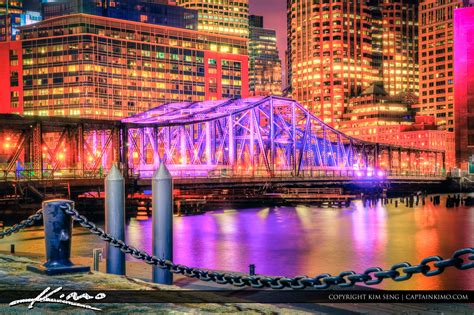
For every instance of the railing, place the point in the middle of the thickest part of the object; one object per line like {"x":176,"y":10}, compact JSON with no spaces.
{"x":183,"y":173}
{"x":47,"y":174}
{"x":316,"y":173}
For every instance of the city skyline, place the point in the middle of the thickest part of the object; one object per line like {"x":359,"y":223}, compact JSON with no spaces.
{"x":168,"y":155}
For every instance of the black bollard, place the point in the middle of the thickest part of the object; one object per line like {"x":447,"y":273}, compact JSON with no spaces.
{"x":12,"y":248}
{"x":423,"y":202}
{"x":57,"y":236}
{"x":396,"y":203}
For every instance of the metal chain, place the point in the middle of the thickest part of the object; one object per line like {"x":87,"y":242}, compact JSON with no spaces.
{"x":371,"y":276}
{"x":23,"y":224}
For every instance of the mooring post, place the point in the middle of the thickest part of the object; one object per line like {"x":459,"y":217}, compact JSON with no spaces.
{"x":252,"y":270}
{"x":57,"y":236}
{"x":115,"y":219}
{"x":162,"y":218}
{"x":96,"y":257}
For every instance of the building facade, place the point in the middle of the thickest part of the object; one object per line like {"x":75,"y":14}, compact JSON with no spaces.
{"x":96,"y":67}
{"x":375,"y":113}
{"x":10,"y":24}
{"x":227,"y":17}
{"x":11,"y":6}
{"x":376,"y":116}
{"x":152,"y":12}
{"x":330,"y":49}
{"x":464,"y":87}
{"x":11,"y":83}
{"x":265,"y":71}
{"x":399,"y":45}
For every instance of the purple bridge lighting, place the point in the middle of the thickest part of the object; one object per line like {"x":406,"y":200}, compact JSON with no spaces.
{"x":262,"y":136}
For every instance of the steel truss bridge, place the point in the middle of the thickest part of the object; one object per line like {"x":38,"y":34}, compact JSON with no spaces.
{"x":247,"y":139}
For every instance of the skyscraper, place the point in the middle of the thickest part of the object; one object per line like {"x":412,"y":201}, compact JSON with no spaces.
{"x":436,"y":56}
{"x":464,"y":87}
{"x":227,"y":17}
{"x":329,"y":54}
{"x":265,"y":77}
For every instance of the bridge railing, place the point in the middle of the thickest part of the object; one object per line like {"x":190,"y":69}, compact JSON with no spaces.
{"x":185,"y":173}
{"x":316,"y":173}
{"x":47,"y":174}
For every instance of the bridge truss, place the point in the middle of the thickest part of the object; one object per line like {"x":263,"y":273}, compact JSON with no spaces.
{"x":45,"y":148}
{"x":269,"y":136}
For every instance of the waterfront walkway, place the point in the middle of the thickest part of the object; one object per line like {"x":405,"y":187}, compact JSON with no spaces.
{"x":15,"y":276}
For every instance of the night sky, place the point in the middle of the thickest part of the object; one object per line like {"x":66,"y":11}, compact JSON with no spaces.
{"x":274,"y":12}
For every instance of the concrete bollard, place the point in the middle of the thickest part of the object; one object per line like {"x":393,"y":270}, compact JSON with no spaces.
{"x":162,"y":218}
{"x":57,"y":236}
{"x":115,"y":219}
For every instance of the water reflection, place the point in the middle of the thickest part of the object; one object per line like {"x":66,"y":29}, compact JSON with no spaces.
{"x":306,"y":240}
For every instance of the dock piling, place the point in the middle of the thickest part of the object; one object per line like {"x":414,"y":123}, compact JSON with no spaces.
{"x":162,"y":218}
{"x":97,"y":257}
{"x":115,"y":219}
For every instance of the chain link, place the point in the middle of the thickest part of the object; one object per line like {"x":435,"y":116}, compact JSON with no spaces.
{"x":370,"y":276}
{"x":23,"y":224}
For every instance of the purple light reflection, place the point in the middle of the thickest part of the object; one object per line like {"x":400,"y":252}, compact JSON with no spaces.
{"x":318,"y":240}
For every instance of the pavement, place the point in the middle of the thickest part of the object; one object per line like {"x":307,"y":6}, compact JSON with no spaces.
{"x":13,"y":275}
